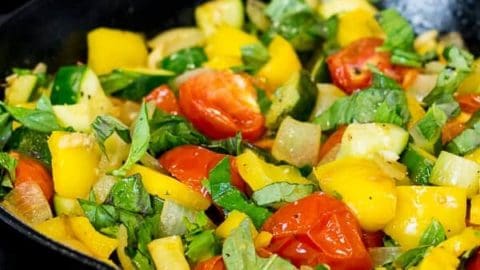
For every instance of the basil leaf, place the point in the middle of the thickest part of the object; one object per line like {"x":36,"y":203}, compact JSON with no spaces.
{"x":434,"y":234}
{"x":101,"y":216}
{"x":30,"y":142}
{"x":140,"y":139}
{"x":230,"y":198}
{"x":263,"y":101}
{"x":183,"y":60}
{"x":254,"y":56}
{"x":278,"y":9}
{"x":411,"y":257}
{"x":40,"y":119}
{"x":231,"y":146}
{"x":406,"y":58}
{"x":104,"y":126}
{"x":400,"y":34}
{"x":202,"y":246}
{"x":8,"y":163}
{"x":129,"y":194}
{"x":169,"y":131}
{"x":5,"y":129}
{"x":281,"y":192}
{"x":427,"y":132}
{"x":469,"y":139}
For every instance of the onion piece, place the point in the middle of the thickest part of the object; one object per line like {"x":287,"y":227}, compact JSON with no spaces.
{"x":422,"y":86}
{"x":172,"y":218}
{"x":384,"y":255}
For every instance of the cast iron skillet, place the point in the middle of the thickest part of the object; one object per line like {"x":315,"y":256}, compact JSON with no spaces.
{"x":53,"y":31}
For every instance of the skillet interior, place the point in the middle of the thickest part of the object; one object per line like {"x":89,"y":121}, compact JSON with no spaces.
{"x":53,"y":31}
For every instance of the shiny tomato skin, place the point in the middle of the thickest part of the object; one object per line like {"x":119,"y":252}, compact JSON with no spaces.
{"x":473,"y":263}
{"x":332,"y":141}
{"x":214,"y":263}
{"x":220,"y":104}
{"x":191,"y":164}
{"x":318,"y":229}
{"x":349,"y":67}
{"x":31,"y":170}
{"x":469,"y":103}
{"x":164,"y":99}
{"x":373,"y":239}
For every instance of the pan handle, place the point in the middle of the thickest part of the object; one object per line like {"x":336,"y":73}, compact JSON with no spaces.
{"x":7,"y":9}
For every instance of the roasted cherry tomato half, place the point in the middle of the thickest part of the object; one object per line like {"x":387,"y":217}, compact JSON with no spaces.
{"x":349,"y":67}
{"x":164,"y":99}
{"x":31,"y":170}
{"x":214,"y":263}
{"x":331,"y":142}
{"x":318,"y":229}
{"x":191,"y":165}
{"x":373,"y":239}
{"x":220,"y":104}
{"x":469,"y":103}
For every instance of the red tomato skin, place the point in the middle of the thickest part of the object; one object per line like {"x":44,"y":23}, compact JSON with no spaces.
{"x":214,"y":263}
{"x":318,"y":229}
{"x":469,"y":103}
{"x":30,"y":170}
{"x":474,"y":262}
{"x":373,"y":239}
{"x":332,"y":141}
{"x":164,"y":99}
{"x":191,"y":164}
{"x":220,"y":104}
{"x":349,"y":67}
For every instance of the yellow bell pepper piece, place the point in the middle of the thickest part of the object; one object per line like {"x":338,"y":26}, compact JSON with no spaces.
{"x":100,"y":245}
{"x":418,"y":205}
{"x":327,"y":8}
{"x":214,"y":14}
{"x":474,"y":156}
{"x":55,"y":228}
{"x":112,"y":48}
{"x":445,"y":255}
{"x":263,"y":239}
{"x":416,"y":110}
{"x":426,"y":42}
{"x":223,"y":62}
{"x":76,"y":245}
{"x":475,"y":210}
{"x":283,"y":63}
{"x":232,"y":221}
{"x":227,"y":42}
{"x":75,"y":158}
{"x":169,"y":188}
{"x":357,"y":24}
{"x":122,"y":237}
{"x":363,"y":186}
{"x":167,"y":253}
{"x":258,"y":173}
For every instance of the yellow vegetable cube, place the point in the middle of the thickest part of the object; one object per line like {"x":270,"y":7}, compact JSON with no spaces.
{"x":56,"y":228}
{"x":112,"y":48}
{"x":167,"y":253}
{"x":223,"y":62}
{"x":416,"y":110}
{"x":357,"y":24}
{"x":232,"y":221}
{"x":100,"y":245}
{"x":418,"y":205}
{"x":327,"y":8}
{"x":258,"y":173}
{"x":363,"y":186}
{"x":439,"y":259}
{"x":76,"y":245}
{"x":263,"y":239}
{"x":167,"y":187}
{"x":283,"y":63}
{"x":475,"y":210}
{"x":75,"y":158}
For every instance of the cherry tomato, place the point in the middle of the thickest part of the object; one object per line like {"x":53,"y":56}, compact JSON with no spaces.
{"x":331,"y":142}
{"x":164,"y":99}
{"x":469,"y":103}
{"x":373,"y":239}
{"x":318,"y":229}
{"x":191,"y":164}
{"x":349,"y":67}
{"x":221,"y":104}
{"x":214,"y":263}
{"x":31,"y":170}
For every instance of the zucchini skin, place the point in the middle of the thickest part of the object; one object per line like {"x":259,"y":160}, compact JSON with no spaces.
{"x":66,"y":88}
{"x":419,"y":164}
{"x":30,"y":142}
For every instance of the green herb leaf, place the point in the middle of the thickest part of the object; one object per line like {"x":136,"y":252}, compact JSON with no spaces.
{"x":129,"y":194}
{"x":278,"y":9}
{"x":202,"y":246}
{"x":400,"y":34}
{"x":263,"y":101}
{"x":169,"y":131}
{"x":30,"y":142}
{"x":411,"y":257}
{"x":469,"y":139}
{"x":427,"y":132}
{"x":8,"y":163}
{"x":5,"y":128}
{"x":434,"y":234}
{"x":101,"y":216}
{"x":254,"y":56}
{"x":406,"y":58}
{"x":104,"y":126}
{"x":183,"y":60}
{"x":231,"y":146}
{"x":230,"y":198}
{"x":281,"y":192}
{"x":140,"y":139}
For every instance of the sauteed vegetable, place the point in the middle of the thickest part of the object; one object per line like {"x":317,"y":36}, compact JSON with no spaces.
{"x":291,"y":134}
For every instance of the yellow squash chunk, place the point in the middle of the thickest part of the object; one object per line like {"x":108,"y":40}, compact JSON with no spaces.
{"x":475,"y":210}
{"x":444,"y":256}
{"x":217,"y":13}
{"x":100,"y":245}
{"x":363,"y":186}
{"x":474,"y":156}
{"x":167,"y":253}
{"x":227,"y":43}
{"x":122,"y":237}
{"x":426,"y":42}
{"x":55,"y":228}
{"x":258,"y":173}
{"x":357,"y":24}
{"x":169,"y":188}
{"x":112,"y":48}
{"x":327,"y":8}
{"x":76,"y":245}
{"x":263,"y":239}
{"x":232,"y":221}
{"x":75,"y":158}
{"x":223,"y":62}
{"x":418,"y":205}
{"x":283,"y":63}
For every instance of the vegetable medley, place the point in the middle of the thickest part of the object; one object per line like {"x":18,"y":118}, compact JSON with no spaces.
{"x":285,"y":135}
